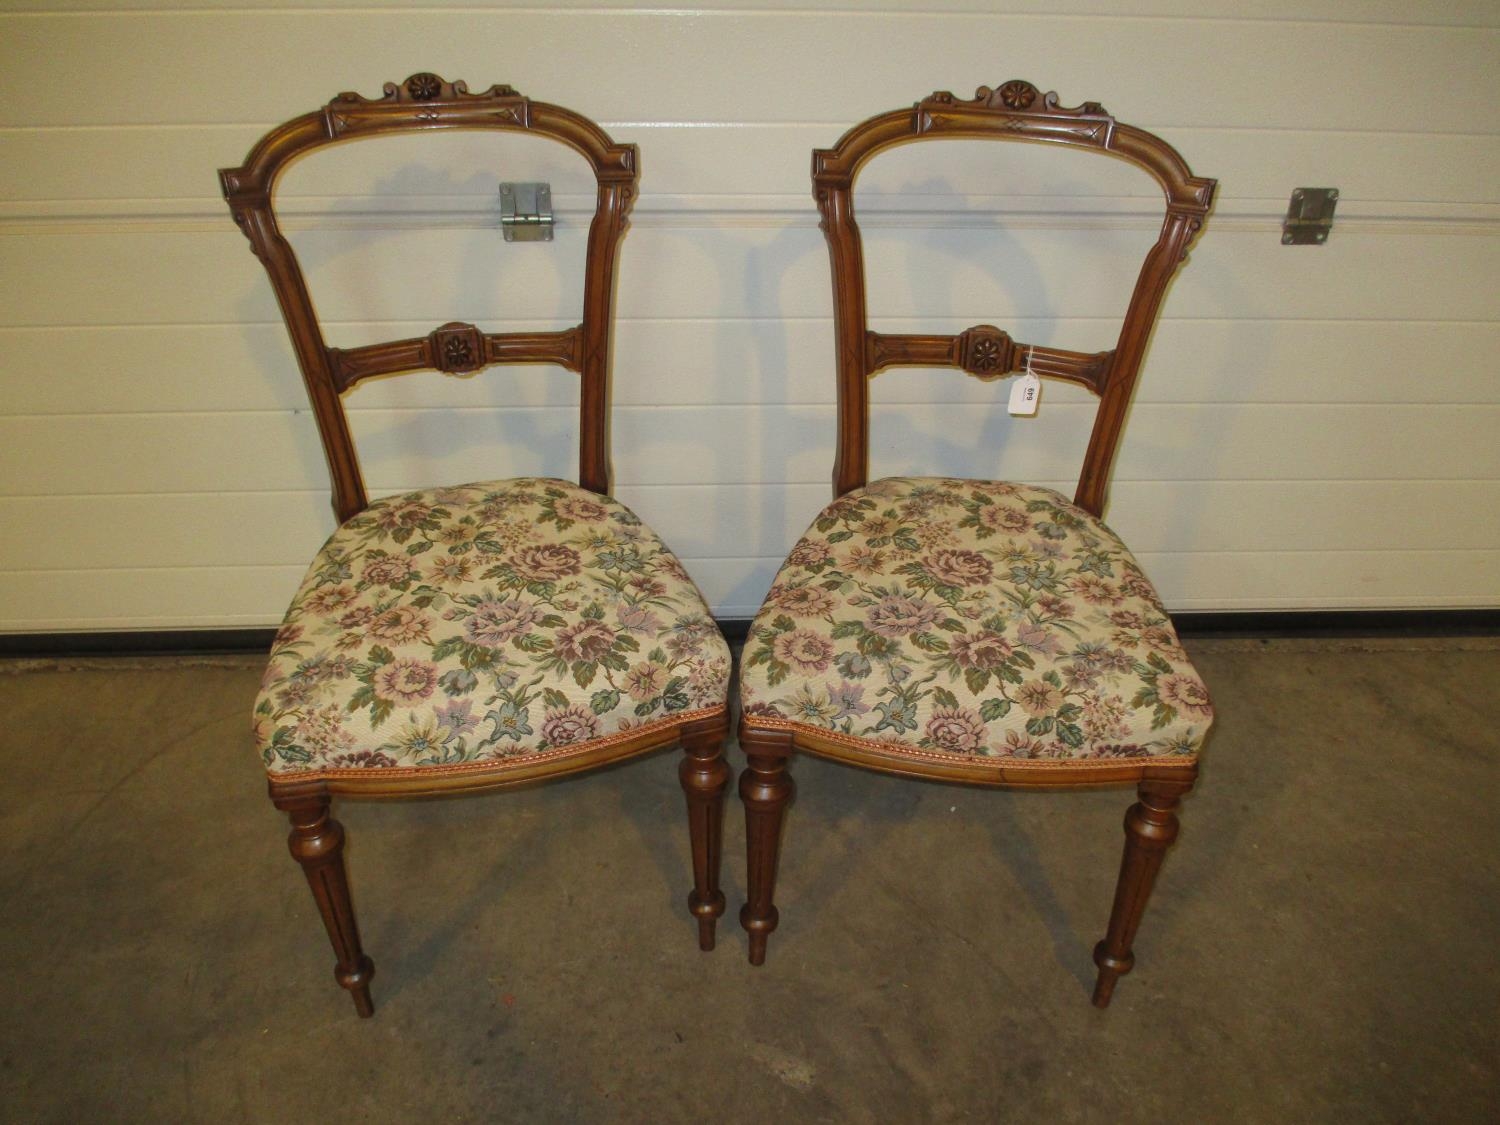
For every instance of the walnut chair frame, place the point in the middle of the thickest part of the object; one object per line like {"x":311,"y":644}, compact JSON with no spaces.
{"x":1014,"y":111}
{"x":423,"y":103}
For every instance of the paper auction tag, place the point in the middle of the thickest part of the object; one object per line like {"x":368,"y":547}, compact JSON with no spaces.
{"x":1025,"y":395}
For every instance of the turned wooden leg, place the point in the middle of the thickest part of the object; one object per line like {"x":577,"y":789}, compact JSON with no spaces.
{"x":317,"y":843}
{"x":765,"y":788}
{"x":1150,"y":828}
{"x":705,"y":777}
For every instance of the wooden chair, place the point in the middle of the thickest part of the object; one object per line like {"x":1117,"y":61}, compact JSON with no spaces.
{"x":491,"y":634}
{"x":966,"y":630}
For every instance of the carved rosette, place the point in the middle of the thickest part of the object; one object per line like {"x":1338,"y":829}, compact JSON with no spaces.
{"x":457,"y":348}
{"x":1014,"y":94}
{"x":986,"y":351}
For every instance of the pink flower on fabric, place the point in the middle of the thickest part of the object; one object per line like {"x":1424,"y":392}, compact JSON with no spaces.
{"x":708,"y":681}
{"x":400,"y":625}
{"x":389,"y":570}
{"x":1095,"y":590}
{"x":587,"y":640}
{"x":1050,"y":605}
{"x":638,"y":619}
{"x":452,"y":569}
{"x":407,"y":513}
{"x":803,"y":601}
{"x":328,"y":600}
{"x":322,"y":732}
{"x":406,"y":682}
{"x":809,"y":552}
{"x":1186,"y":693}
{"x":1038,"y":697}
{"x":1000,"y":517}
{"x":358,"y":617}
{"x":564,"y":725}
{"x":896,"y":615}
{"x":579,"y":508}
{"x":1036,"y":638}
{"x":457,"y":715}
{"x":493,"y":622}
{"x":957,"y":730}
{"x":1104,"y":717}
{"x":645,"y":680}
{"x":645,"y":586}
{"x":546,"y":563}
{"x":982,"y":650}
{"x":803,"y":649}
{"x":864,"y":560}
{"x":849,"y":699}
{"x":1019,"y":745}
{"x":1163,"y":640}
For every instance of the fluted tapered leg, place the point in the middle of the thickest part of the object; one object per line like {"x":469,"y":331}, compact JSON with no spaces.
{"x":765,"y":789}
{"x":1150,"y":828}
{"x":705,"y":778}
{"x":317,"y":843}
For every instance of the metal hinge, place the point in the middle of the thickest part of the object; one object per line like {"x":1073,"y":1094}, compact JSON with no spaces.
{"x":526,"y":212}
{"x":1309,"y":217}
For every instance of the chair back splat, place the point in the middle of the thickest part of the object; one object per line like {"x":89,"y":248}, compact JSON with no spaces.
{"x":1014,"y":111}
{"x":426,"y":102}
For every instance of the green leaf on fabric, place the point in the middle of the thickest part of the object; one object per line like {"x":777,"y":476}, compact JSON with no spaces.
{"x":994,"y":708}
{"x":1070,"y":735}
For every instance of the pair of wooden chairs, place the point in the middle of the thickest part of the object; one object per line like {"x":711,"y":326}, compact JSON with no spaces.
{"x":492,"y":634}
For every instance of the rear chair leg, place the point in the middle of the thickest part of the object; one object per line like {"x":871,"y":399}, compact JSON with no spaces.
{"x":1150,"y":828}
{"x":765,"y":789}
{"x":705,"y":778}
{"x":317,"y":843}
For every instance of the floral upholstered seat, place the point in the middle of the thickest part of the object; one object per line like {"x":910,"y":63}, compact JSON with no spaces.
{"x":481,"y":627}
{"x":955,"y":619}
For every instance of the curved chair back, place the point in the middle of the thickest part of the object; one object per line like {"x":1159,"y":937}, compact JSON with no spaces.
{"x":1015,"y":111}
{"x":426,"y":102}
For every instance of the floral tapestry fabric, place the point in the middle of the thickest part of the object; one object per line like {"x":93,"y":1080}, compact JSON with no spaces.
{"x":975,"y":620}
{"x":485,"y":624}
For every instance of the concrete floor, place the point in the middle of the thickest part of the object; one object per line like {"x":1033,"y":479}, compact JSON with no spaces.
{"x":1321,"y":946}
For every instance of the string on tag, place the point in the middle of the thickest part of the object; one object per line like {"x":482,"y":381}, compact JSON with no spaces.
{"x":1026,"y":392}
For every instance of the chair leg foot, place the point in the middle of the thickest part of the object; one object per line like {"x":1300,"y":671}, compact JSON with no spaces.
{"x":1150,"y":828}
{"x":317,"y":843}
{"x":705,"y":779}
{"x":765,"y":789}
